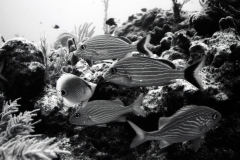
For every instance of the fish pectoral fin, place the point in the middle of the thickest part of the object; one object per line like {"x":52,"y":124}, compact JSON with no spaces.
{"x":121,"y":119}
{"x":102,"y":125}
{"x":202,"y":129}
{"x":103,"y":51}
{"x":195,"y":144}
{"x":128,"y":55}
{"x":163,"y":143}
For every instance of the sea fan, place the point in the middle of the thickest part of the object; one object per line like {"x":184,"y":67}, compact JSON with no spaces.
{"x":30,"y":148}
{"x":8,"y":110}
{"x":15,"y":141}
{"x":79,"y":35}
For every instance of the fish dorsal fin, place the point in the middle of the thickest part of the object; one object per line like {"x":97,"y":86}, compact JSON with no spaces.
{"x":125,"y":39}
{"x":118,"y":101}
{"x":163,"y":121}
{"x":91,"y":86}
{"x":184,"y":110}
{"x":167,"y":63}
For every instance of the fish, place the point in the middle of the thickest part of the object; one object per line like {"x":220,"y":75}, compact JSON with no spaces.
{"x":72,"y":47}
{"x":104,"y":47}
{"x":145,"y":71}
{"x":2,"y":65}
{"x":101,"y":112}
{"x":111,"y":22}
{"x":56,"y":26}
{"x":187,"y":124}
{"x":74,"y":90}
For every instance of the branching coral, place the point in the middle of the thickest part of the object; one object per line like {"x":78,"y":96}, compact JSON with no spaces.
{"x":15,"y":141}
{"x":8,"y":110}
{"x":105,"y":26}
{"x":177,"y":7}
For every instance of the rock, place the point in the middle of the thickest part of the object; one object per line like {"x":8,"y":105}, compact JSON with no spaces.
{"x":172,"y":55}
{"x":181,"y":42}
{"x":24,"y":68}
{"x":197,"y":50}
{"x":227,"y":22}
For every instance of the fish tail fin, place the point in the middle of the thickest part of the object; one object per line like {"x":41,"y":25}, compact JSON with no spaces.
{"x":142,"y":45}
{"x":140,"y":137}
{"x":136,"y":106}
{"x":191,"y":73}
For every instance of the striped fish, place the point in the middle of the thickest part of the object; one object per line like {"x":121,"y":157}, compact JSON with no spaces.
{"x":144,"y":71}
{"x":104,"y":47}
{"x":103,"y":111}
{"x":189,"y":123}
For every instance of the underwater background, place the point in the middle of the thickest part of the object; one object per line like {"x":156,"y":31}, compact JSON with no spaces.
{"x":41,"y":41}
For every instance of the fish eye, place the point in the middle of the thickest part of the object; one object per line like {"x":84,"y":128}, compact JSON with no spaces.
{"x":113,"y":70}
{"x":77,"y":115}
{"x":83,"y":47}
{"x":215,"y":116}
{"x":63,"y":92}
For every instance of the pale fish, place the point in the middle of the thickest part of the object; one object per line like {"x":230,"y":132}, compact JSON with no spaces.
{"x":144,"y":71}
{"x":189,"y":123}
{"x":74,"y":90}
{"x":100,"y":112}
{"x":104,"y":47}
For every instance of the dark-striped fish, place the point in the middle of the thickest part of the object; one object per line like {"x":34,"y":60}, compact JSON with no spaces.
{"x":72,"y":47}
{"x":74,"y":90}
{"x":104,"y":47}
{"x":102,"y":111}
{"x":189,"y":123}
{"x":144,"y":71}
{"x":2,"y":65}
{"x":111,"y":22}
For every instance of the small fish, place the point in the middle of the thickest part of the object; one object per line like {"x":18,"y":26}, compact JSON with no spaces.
{"x":111,"y":22}
{"x":189,"y":123}
{"x":144,"y":71}
{"x":56,"y":26}
{"x":104,"y":111}
{"x":72,"y":47}
{"x":144,"y":9}
{"x":2,"y":65}
{"x":74,"y":90}
{"x":104,"y":47}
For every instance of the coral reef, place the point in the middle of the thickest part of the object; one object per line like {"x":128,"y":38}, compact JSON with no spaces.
{"x":211,"y":33}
